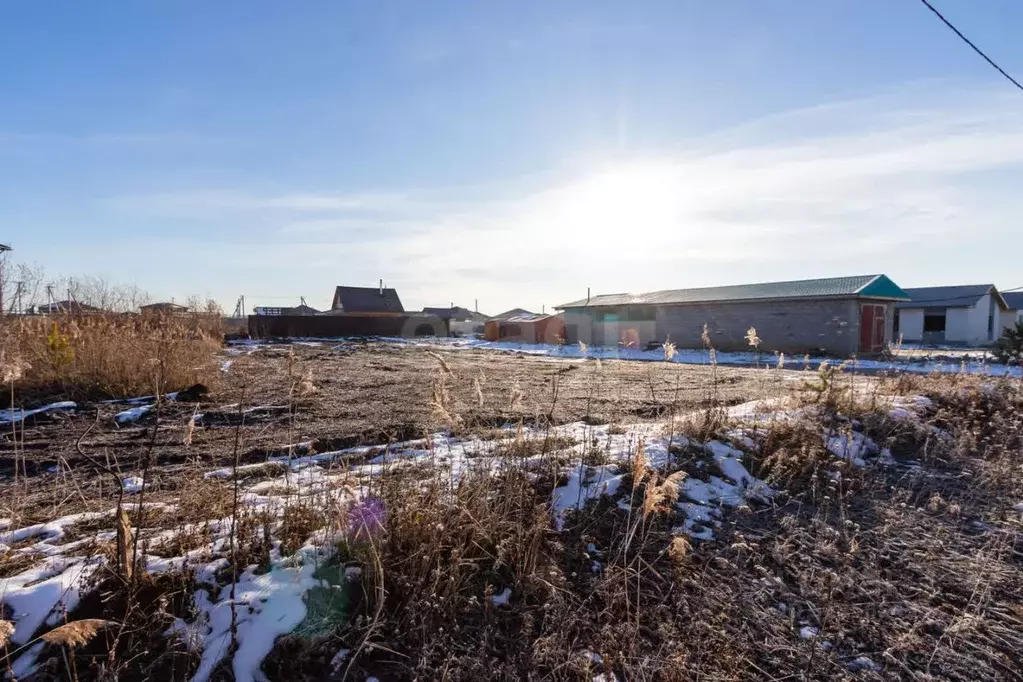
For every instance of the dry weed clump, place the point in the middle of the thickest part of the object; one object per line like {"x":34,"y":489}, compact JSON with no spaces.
{"x":120,"y":631}
{"x":793,"y":458}
{"x":462,"y":573}
{"x":109,"y":355}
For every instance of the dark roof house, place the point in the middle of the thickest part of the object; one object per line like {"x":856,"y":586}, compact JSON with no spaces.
{"x":366,"y":300}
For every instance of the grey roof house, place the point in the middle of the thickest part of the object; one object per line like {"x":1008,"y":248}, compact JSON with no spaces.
{"x":457,"y":313}
{"x":514,"y":312}
{"x":969,"y":314}
{"x":837,"y":315}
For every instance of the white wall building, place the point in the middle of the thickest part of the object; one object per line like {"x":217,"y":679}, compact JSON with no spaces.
{"x":968,"y":315}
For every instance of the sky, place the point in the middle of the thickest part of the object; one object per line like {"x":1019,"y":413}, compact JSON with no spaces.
{"x":511,"y":153}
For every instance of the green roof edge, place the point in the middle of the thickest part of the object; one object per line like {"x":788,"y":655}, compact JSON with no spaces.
{"x":882,"y":287}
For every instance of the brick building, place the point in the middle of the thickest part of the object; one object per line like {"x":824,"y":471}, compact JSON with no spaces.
{"x":839,"y":316}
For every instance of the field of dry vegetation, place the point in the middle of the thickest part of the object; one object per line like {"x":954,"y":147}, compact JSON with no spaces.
{"x":373,"y":510}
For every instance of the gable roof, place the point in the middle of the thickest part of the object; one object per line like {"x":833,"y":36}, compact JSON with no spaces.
{"x":455,"y":313}
{"x":366,"y":300}
{"x":959,"y":296}
{"x":66,"y":306}
{"x":163,"y":305}
{"x":860,"y":286}
{"x":514,"y":312}
{"x":1014,"y":300}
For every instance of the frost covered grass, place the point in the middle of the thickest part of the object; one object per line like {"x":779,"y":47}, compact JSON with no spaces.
{"x":840,"y":529}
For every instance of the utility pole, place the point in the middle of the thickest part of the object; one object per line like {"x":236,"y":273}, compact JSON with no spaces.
{"x":4,"y":248}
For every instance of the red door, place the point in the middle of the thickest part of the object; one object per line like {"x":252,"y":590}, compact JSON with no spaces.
{"x":872,"y":319}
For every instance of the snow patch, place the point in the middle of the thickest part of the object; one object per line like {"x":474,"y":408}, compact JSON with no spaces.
{"x":132,"y":414}
{"x":503,"y":598}
{"x":863,"y":663}
{"x":13,"y":415}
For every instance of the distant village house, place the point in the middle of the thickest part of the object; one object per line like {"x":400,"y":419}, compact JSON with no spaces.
{"x":163,"y":308}
{"x":366,"y":300}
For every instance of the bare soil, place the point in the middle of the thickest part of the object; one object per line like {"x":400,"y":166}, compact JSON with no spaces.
{"x":360,"y":394}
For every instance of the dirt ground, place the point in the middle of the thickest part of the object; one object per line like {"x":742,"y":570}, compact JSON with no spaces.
{"x":360,"y":394}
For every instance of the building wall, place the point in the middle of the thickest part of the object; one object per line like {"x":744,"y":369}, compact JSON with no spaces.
{"x":958,"y":325}
{"x":796,"y":327}
{"x":402,"y":325}
{"x":463,"y":327}
{"x":911,"y":324}
{"x":977,"y":319}
{"x":578,"y":326}
{"x":831,"y":325}
{"x":962,"y":325}
{"x":1008,"y":319}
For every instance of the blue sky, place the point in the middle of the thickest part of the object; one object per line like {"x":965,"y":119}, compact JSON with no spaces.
{"x":511,"y":152}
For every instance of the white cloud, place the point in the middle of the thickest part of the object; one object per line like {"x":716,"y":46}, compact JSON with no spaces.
{"x":917,"y":190}
{"x":207,"y":203}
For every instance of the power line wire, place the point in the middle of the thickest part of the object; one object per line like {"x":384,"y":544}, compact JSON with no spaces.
{"x":970,"y":43}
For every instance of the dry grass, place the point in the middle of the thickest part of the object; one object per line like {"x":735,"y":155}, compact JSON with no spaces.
{"x":109,"y":355}
{"x":914,"y":565}
{"x":76,"y":633}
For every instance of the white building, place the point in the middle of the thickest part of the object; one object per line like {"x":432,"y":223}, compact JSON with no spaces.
{"x":1015,"y":312}
{"x":968,"y":315}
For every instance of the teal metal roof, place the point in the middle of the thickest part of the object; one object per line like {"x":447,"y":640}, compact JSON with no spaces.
{"x":860,"y":286}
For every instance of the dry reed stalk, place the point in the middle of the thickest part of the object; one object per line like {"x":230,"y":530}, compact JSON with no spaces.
{"x":442,"y":362}
{"x":6,"y":631}
{"x":679,"y":549}
{"x":658,"y":498}
{"x":76,"y":633}
{"x":125,"y":542}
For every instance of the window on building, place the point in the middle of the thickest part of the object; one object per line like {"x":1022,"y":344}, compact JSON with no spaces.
{"x":895,"y":325}
{"x":509,"y":331}
{"x":640,"y":313}
{"x":934,"y":321}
